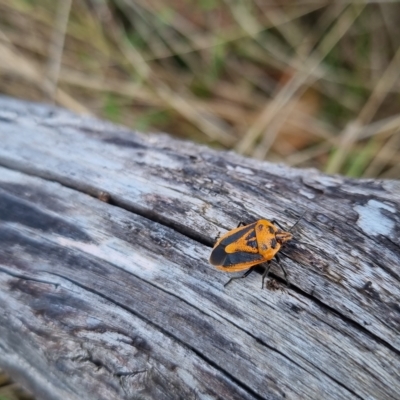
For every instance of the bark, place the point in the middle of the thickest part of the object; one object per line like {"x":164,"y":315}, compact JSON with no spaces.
{"x":106,"y":291}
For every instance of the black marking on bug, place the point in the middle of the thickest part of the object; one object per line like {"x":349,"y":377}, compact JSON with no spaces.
{"x":271,"y":229}
{"x":234,"y":237}
{"x":252,"y":243}
{"x":260,"y":227}
{"x":251,"y":239}
{"x":273,"y":243}
{"x":218,"y":255}
{"x":241,"y":257}
{"x":251,"y":235}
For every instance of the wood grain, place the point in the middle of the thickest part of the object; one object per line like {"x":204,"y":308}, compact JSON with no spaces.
{"x":106,"y":291}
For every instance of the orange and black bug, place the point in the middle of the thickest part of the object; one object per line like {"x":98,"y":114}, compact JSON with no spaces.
{"x":250,"y":245}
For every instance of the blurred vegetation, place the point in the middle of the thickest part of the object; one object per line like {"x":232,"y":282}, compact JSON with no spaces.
{"x":307,"y":83}
{"x":9,"y":390}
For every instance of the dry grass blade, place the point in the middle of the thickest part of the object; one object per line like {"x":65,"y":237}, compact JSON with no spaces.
{"x":56,"y":48}
{"x":384,"y":156}
{"x":208,"y":123}
{"x":352,"y":132}
{"x":297,"y":84}
{"x":385,"y":125}
{"x":15,"y":64}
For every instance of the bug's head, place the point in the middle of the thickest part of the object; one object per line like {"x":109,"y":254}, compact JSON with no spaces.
{"x":282,"y":237}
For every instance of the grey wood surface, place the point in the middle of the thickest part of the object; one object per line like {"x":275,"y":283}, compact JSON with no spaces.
{"x":106,"y":291}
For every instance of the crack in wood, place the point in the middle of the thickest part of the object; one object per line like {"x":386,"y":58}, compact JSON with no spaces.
{"x":166,"y":333}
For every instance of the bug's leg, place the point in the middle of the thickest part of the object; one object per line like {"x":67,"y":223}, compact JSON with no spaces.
{"x":241,"y":223}
{"x":245,"y":275}
{"x":278,"y":260}
{"x":265,"y":273}
{"x":275,"y":222}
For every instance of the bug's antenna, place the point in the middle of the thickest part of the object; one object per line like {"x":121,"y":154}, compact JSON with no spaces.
{"x":296,"y":240}
{"x":297,"y":221}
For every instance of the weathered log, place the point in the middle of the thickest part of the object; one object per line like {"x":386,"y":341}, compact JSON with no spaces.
{"x":116,"y":298}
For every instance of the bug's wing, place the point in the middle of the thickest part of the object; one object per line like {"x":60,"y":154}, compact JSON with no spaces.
{"x":239,"y":261}
{"x":237,"y":250}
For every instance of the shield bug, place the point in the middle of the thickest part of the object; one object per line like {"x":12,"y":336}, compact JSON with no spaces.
{"x":250,"y":245}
